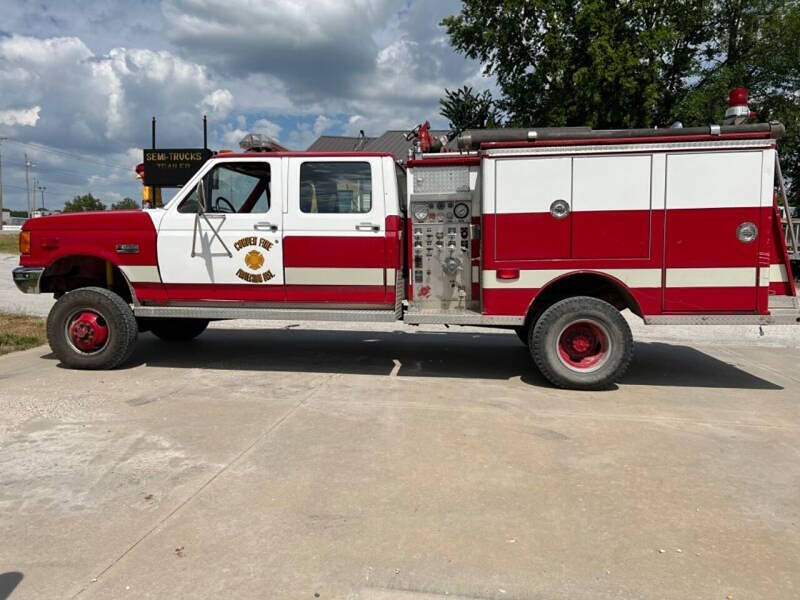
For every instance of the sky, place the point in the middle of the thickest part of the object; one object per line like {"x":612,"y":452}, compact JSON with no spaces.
{"x":80,"y":80}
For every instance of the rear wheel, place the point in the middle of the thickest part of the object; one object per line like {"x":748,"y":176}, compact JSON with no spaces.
{"x":581,"y":343}
{"x":91,"y":328}
{"x":177,"y":330}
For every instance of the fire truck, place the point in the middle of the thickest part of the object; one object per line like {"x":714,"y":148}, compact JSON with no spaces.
{"x":549,"y":232}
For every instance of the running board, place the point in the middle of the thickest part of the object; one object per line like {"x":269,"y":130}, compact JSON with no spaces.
{"x":458,"y":317}
{"x":271,"y":314}
{"x":778,"y":316}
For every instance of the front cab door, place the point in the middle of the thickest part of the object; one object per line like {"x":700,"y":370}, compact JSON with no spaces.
{"x":231,"y":251}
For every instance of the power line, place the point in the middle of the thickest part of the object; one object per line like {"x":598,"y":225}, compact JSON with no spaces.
{"x":51,"y":168}
{"x":78,"y":188}
{"x":76,"y":155}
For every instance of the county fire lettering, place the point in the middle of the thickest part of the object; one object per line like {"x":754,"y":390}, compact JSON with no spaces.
{"x":254,"y":259}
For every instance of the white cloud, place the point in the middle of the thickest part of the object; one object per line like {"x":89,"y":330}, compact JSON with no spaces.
{"x":267,"y":127}
{"x":302,"y":136}
{"x":23,"y":116}
{"x":219,"y":103}
{"x":314,"y":49}
{"x":282,"y":68}
{"x":95,"y":105}
{"x":103,"y":103}
{"x":391,"y":68}
{"x":322,"y":124}
{"x":232,"y":137}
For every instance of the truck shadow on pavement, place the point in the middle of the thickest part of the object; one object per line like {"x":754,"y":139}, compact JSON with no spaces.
{"x":421,"y":354}
{"x":8,"y":583}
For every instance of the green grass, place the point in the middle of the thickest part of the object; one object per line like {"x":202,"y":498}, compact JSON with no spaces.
{"x":20,"y":332}
{"x":9,"y":243}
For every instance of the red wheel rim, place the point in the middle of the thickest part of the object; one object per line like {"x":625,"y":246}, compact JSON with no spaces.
{"x":583,"y":345}
{"x":87,"y":331}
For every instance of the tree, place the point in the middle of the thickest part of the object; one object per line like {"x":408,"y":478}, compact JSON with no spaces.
{"x":640,"y":63}
{"x":757,"y":48}
{"x":83,"y":203}
{"x":596,"y":63}
{"x":125,"y":204}
{"x":464,"y":109}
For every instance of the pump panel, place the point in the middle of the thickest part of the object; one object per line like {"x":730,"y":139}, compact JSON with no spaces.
{"x":441,"y":269}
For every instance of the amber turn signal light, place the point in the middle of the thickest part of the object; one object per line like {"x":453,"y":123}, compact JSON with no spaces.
{"x":25,"y":242}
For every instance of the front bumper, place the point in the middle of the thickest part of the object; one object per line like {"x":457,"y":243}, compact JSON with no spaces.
{"x":28,"y":278}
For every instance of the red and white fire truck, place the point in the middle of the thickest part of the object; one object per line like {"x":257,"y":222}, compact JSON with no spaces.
{"x":550,"y":232}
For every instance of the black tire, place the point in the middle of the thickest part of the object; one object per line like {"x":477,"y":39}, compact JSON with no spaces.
{"x":177,"y":330}
{"x":581,"y":343}
{"x":109,"y":311}
{"x":523,"y":334}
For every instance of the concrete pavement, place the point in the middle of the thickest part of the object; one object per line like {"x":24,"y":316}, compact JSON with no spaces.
{"x":285,"y":463}
{"x":386,"y":462}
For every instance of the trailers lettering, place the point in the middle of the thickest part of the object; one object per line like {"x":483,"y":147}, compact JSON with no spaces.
{"x":254,"y":259}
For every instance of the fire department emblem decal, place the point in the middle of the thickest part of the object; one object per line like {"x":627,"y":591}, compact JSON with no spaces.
{"x":254,"y":260}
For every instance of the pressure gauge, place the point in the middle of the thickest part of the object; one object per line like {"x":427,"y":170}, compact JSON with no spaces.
{"x":460,"y":210}
{"x":420,"y":212}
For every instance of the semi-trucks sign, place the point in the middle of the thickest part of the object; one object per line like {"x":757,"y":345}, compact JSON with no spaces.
{"x":168,"y":167}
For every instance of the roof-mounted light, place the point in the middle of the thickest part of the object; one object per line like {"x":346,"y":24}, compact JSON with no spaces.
{"x":258,"y":142}
{"x":738,"y":112}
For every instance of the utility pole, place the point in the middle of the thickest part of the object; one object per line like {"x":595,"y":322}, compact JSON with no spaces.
{"x":42,"y":188}
{"x":2,"y":139}
{"x":28,"y":165}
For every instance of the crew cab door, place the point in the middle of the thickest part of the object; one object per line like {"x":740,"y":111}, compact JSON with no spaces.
{"x":335,"y":231}
{"x":231,"y":250}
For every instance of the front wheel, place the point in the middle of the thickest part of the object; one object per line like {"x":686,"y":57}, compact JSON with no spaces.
{"x":581,"y":343}
{"x":91,"y":328}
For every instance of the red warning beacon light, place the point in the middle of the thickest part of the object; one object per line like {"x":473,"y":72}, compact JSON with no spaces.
{"x":738,"y":112}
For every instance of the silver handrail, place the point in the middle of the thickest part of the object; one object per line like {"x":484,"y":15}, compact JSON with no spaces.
{"x":787,"y":209}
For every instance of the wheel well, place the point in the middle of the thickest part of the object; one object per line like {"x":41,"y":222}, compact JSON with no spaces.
{"x":583,"y":284}
{"x":72,"y":272}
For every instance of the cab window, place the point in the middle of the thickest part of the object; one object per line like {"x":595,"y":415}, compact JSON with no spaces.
{"x":335,"y":187}
{"x":233,"y":188}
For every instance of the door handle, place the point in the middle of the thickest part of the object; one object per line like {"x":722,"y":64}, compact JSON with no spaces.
{"x":559,"y":209}
{"x":265,"y":225}
{"x":368,"y":227}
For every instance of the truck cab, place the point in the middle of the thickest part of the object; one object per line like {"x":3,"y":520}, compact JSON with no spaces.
{"x":310,"y":231}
